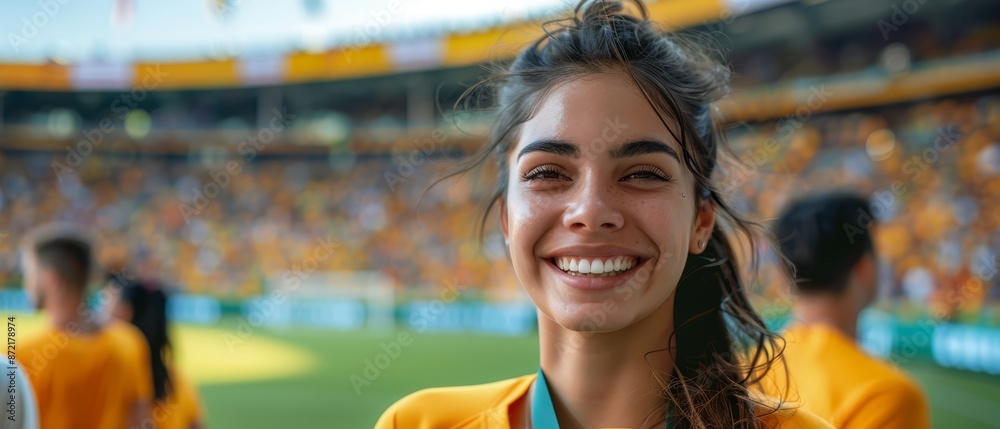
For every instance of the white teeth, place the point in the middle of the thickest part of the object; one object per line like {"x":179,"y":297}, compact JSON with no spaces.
{"x":601,"y":267}
{"x":597,"y":267}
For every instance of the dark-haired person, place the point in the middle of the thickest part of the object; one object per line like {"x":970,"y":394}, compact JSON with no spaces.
{"x":85,"y":373}
{"x":144,"y":304}
{"x":605,"y":144}
{"x":828,"y":238}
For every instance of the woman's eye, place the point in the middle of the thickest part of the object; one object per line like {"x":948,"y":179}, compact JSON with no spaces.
{"x":541,"y":173}
{"x":549,"y":173}
{"x":648,"y":175}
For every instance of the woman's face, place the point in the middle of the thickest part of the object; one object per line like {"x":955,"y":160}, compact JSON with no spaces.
{"x":597,"y":184}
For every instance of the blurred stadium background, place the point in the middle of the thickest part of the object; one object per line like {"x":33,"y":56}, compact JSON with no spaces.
{"x":225,"y":147}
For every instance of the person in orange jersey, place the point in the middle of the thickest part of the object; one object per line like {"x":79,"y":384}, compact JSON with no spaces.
{"x":143,"y":303}
{"x":606,"y":144}
{"x":828,"y":239}
{"x":86,"y":373}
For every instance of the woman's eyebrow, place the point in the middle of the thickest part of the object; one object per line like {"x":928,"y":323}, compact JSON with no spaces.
{"x":630,"y":149}
{"x":642,"y":147}
{"x":558,"y":147}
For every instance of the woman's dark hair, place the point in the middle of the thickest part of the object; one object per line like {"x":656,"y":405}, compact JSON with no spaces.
{"x":149,"y":314}
{"x":723,"y":346}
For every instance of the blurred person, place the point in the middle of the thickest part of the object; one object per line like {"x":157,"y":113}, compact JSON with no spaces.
{"x":86,"y":373}
{"x":827,"y":238}
{"x":624,"y":229}
{"x":144,"y":304}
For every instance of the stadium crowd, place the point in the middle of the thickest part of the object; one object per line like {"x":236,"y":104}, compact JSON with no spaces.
{"x":153,"y":215}
{"x":932,"y":170}
{"x":861,"y":51}
{"x":933,"y":166}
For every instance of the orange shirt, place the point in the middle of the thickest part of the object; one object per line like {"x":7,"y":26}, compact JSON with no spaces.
{"x":486,"y":406}
{"x":832,"y":377}
{"x":88,"y":381}
{"x":180,"y":408}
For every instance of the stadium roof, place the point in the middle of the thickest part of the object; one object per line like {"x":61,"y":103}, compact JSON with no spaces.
{"x":120,"y":44}
{"x":183,"y":30}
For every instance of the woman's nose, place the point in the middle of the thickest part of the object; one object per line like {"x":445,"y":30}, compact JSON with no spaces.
{"x":593,"y":206}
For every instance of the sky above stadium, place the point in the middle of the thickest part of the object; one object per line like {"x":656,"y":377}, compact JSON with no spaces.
{"x":119,"y":31}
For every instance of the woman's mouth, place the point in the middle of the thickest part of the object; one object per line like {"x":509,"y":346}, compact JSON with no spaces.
{"x":610,"y":266}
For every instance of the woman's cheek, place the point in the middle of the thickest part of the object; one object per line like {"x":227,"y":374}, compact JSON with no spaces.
{"x":522,"y":219}
{"x":531,"y":212}
{"x":669,"y":229}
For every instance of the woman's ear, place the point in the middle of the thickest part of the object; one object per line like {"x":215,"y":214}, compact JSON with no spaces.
{"x":704,"y":224}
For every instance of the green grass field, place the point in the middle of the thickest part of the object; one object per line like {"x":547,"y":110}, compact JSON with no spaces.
{"x":320,"y":394}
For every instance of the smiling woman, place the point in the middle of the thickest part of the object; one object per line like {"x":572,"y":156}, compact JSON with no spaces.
{"x":606,"y":147}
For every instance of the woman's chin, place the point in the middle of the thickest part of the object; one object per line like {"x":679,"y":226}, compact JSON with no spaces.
{"x":587,"y":316}
{"x":592,"y":318}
